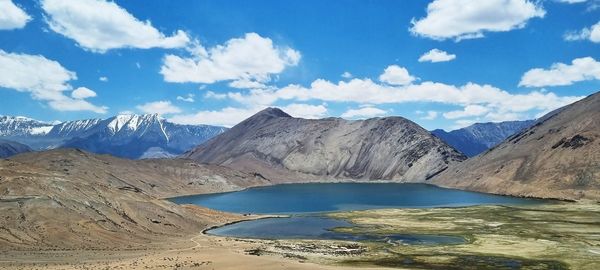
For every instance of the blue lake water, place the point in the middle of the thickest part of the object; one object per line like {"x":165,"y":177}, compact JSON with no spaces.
{"x":312,"y":198}
{"x":305,"y":203}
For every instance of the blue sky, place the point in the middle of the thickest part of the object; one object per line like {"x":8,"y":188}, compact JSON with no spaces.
{"x":217,"y":62}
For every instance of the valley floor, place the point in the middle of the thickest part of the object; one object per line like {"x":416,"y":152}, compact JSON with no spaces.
{"x":549,"y":236}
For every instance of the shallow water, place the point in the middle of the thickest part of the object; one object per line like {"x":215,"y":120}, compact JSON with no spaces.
{"x":315,"y":227}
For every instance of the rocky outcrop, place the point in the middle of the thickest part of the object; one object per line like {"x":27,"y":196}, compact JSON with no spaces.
{"x":558,"y":157}
{"x":283,"y":148}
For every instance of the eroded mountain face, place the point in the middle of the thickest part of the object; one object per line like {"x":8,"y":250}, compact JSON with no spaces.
{"x":559,"y":157}
{"x":281,"y":147}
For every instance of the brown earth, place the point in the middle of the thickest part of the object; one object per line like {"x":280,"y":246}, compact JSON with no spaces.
{"x":558,"y":157}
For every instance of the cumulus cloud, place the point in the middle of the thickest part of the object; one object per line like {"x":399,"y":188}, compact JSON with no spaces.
{"x":592,"y":34}
{"x":159,"y":107}
{"x":436,"y":55}
{"x":82,"y":93}
{"x":45,"y":80}
{"x":230,"y":116}
{"x":247,"y":61}
{"x":464,"y":19}
{"x":227,"y":117}
{"x":476,"y":100}
{"x":346,"y":75}
{"x":364,"y":112}
{"x":430,"y":115}
{"x":12,"y":16}
{"x":103,"y":79}
{"x":580,"y":69}
{"x":467,"y":111}
{"x":395,"y":75}
{"x":188,"y":98}
{"x":306,"y":110}
{"x":99,"y":25}
{"x":213,"y":95}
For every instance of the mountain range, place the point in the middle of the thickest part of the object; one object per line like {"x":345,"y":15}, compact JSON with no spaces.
{"x":128,"y":135}
{"x":557,"y":157}
{"x":479,"y":137}
{"x":281,"y":147}
{"x":10,"y":148}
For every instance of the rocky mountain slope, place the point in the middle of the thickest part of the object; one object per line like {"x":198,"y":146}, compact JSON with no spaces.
{"x":10,"y":148}
{"x":559,"y":157}
{"x":70,"y":199}
{"x":129,"y":136}
{"x":281,"y":147}
{"x":479,"y":137}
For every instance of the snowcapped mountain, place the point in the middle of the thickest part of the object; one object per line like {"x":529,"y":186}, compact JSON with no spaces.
{"x":12,"y":126}
{"x":129,"y":136}
{"x":479,"y":137}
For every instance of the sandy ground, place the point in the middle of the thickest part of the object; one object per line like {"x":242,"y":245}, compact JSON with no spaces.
{"x":199,"y":252}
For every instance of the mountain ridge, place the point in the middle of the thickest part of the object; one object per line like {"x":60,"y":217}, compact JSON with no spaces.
{"x":557,"y":157}
{"x":479,"y":137}
{"x":123,"y":135}
{"x":283,"y":147}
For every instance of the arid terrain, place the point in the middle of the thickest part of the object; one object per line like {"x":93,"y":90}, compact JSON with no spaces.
{"x":558,"y":157}
{"x":279,"y":146}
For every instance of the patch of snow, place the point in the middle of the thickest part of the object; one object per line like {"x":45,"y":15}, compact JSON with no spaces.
{"x":40,"y":130}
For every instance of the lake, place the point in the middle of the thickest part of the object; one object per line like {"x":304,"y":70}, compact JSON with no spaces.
{"x":305,"y":203}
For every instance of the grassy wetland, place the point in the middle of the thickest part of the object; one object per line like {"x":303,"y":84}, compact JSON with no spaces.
{"x":547,"y":236}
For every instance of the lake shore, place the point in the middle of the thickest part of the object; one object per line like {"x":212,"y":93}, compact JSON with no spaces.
{"x":556,"y":236}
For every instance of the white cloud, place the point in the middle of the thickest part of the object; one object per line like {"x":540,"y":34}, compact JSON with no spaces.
{"x":467,"y":111}
{"x":44,"y":79}
{"x":592,"y":34}
{"x":188,"y":98}
{"x":227,"y":117}
{"x":213,"y":95}
{"x":463,"y":19}
{"x":103,"y":79}
{"x":246,"y":84}
{"x":231,"y":116}
{"x":159,"y":107}
{"x":82,"y":93}
{"x":431,"y":115}
{"x":126,"y":113}
{"x":99,"y":25}
{"x":12,"y":16}
{"x":395,"y":75}
{"x":364,"y":91}
{"x":580,"y":69}
{"x":365,"y":112}
{"x":436,"y":55}
{"x":346,"y":75}
{"x":306,"y":110}
{"x":572,"y":1}
{"x":251,"y":58}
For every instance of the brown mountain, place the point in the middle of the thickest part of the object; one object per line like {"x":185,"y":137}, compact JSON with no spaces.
{"x":283,"y":148}
{"x":558,"y":157}
{"x":70,"y":199}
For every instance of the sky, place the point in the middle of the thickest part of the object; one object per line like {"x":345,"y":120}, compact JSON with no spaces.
{"x":440,"y":63}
